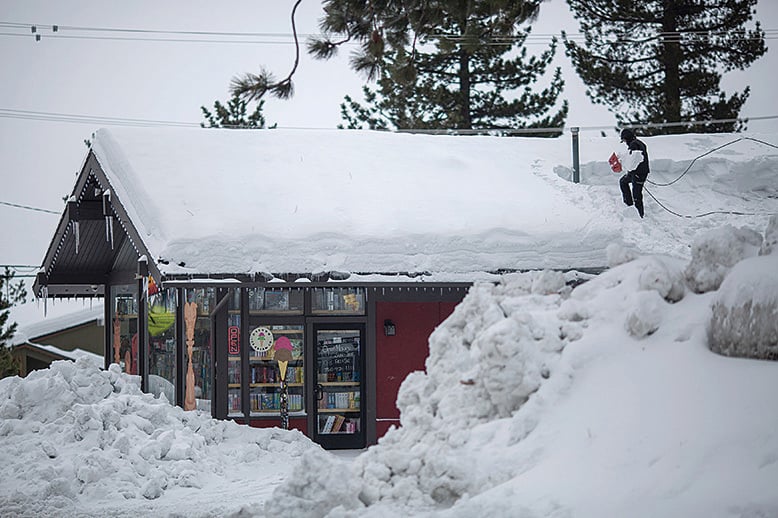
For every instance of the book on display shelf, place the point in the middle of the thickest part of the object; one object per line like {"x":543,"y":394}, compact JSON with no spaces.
{"x":327,"y":428}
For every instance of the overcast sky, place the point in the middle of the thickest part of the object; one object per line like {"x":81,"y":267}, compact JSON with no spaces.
{"x":113,"y":74}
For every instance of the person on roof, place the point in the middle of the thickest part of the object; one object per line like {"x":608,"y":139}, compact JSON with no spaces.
{"x":636,"y":171}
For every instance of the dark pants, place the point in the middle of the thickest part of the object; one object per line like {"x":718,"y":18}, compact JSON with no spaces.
{"x":636,"y":195}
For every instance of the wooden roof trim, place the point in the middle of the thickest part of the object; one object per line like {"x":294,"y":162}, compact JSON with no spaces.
{"x":91,"y":170}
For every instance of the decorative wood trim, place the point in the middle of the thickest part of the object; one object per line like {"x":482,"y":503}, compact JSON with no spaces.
{"x":190,"y":319}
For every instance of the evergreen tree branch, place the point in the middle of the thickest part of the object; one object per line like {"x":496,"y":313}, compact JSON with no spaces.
{"x":253,"y":87}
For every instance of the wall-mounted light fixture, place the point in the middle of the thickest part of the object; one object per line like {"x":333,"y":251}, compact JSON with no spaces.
{"x":389,"y":328}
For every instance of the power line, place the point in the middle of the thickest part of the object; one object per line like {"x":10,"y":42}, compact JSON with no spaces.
{"x":57,"y":28}
{"x":27,"y":207}
{"x":90,"y":119}
{"x":706,"y":154}
{"x":694,"y":216}
{"x":728,"y":212}
{"x":168,"y":40}
{"x":9,"y":113}
{"x":182,"y":36}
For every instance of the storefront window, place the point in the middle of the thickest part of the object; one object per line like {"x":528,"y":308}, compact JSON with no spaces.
{"x":198,"y":389}
{"x":124,"y":338}
{"x":162,"y":343}
{"x":339,"y":301}
{"x":265,"y":369}
{"x":234,"y":406}
{"x":269,"y":301}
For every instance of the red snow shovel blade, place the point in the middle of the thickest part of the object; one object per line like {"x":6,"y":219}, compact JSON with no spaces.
{"x":615,"y":164}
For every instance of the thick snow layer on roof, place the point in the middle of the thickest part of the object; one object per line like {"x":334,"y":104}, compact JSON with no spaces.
{"x":228,"y":201}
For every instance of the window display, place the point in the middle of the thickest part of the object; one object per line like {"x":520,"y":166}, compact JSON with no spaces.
{"x":339,"y":385}
{"x":162,"y":343}
{"x":339,"y":301}
{"x":234,"y":364}
{"x":264,"y":372}
{"x":199,"y":355}
{"x":124,"y":336}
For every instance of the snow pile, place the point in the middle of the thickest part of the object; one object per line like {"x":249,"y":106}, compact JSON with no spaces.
{"x":770,"y":243}
{"x":485,"y":361}
{"x":745,"y":311}
{"x":483,"y":430}
{"x":716,"y":252}
{"x":74,"y":437}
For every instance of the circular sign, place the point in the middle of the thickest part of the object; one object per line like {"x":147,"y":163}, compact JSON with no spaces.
{"x":261,"y":339}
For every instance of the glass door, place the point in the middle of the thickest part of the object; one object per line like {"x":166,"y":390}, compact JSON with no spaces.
{"x":338,"y":416}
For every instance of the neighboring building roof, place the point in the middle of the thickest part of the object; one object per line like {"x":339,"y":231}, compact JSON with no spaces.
{"x":63,"y":354}
{"x":41,"y":318}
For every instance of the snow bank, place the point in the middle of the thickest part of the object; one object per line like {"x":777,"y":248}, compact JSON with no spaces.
{"x":744,"y":319}
{"x":489,"y":363}
{"x":485,"y":361}
{"x":74,"y":438}
{"x":770,"y":243}
{"x":715,"y":252}
{"x":482,"y":419}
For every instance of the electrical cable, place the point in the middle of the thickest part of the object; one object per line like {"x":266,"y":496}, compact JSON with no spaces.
{"x":26,"y":207}
{"x":693,"y":216}
{"x":181,"y":36}
{"x":706,"y":154}
{"x":730,"y":212}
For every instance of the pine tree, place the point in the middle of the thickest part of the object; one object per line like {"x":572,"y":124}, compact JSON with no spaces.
{"x":660,"y":61}
{"x":439,"y":65}
{"x":10,"y":295}
{"x":444,"y":65}
{"x":233,"y":116}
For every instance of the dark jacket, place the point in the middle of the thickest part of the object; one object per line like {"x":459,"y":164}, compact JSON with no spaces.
{"x":641,"y":172}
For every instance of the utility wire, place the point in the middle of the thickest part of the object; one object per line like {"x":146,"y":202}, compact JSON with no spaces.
{"x":70,"y":117}
{"x":181,"y":36}
{"x":9,"y":113}
{"x":706,"y":154}
{"x":26,"y":207}
{"x":693,"y":216}
{"x":168,"y":40}
{"x":728,"y":212}
{"x":57,"y":28}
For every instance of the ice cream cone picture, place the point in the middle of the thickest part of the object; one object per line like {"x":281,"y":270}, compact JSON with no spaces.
{"x":282,"y":353}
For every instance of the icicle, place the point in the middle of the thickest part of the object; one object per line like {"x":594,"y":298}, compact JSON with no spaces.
{"x":45,"y":293}
{"x":109,"y":230}
{"x":108,"y":213}
{"x":75,"y":231}
{"x":110,"y":222}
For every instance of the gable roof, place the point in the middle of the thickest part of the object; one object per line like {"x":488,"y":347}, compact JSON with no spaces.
{"x":362,"y":204}
{"x":225,"y":201}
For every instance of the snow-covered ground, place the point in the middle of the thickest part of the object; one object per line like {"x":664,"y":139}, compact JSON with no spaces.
{"x":538,"y":399}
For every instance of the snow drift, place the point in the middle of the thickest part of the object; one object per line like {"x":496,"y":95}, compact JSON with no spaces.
{"x":541,"y":397}
{"x":483,"y":432}
{"x":745,"y":312}
{"x":76,"y":438}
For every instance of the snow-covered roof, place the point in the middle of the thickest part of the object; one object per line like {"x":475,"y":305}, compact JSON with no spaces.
{"x":74,"y":355}
{"x":40,"y":318}
{"x":294,"y":201}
